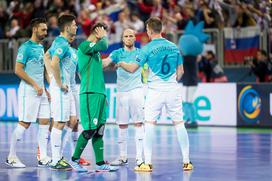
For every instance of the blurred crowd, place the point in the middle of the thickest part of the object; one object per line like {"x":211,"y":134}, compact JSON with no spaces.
{"x":119,"y":14}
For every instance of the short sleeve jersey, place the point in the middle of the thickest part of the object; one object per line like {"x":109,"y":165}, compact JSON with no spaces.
{"x":61,"y":48}
{"x":31,"y":55}
{"x":162,"y":58}
{"x":126,"y":81}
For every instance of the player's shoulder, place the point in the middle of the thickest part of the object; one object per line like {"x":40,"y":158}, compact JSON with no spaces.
{"x":73,"y":49}
{"x":25,"y":45}
{"x":61,"y":41}
{"x":118,"y":51}
{"x":85,"y":44}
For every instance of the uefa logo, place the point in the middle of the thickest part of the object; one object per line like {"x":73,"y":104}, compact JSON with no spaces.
{"x":249,"y":104}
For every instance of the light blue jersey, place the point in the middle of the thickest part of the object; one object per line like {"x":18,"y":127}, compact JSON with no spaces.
{"x":31,"y":55}
{"x":163,"y":58}
{"x":73,"y":69}
{"x":127,"y":81}
{"x":61,"y":48}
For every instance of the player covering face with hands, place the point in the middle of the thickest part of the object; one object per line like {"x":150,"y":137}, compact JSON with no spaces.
{"x":92,"y":97}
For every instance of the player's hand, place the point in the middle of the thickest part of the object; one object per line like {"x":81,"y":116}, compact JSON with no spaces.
{"x":48,"y":95}
{"x":64,"y":88}
{"x":119,"y":64}
{"x":38,"y":89}
{"x":100,"y":32}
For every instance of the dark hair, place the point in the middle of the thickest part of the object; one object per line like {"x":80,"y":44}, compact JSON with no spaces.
{"x":36,"y":21}
{"x":155,"y":24}
{"x":65,"y":20}
{"x":263,"y":52}
{"x":99,"y":24}
{"x":211,"y":53}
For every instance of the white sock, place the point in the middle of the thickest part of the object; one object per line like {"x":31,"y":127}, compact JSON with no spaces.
{"x":148,"y":140}
{"x":74,"y":141}
{"x":67,"y":139}
{"x":16,"y":137}
{"x":139,"y":136}
{"x":56,"y":145}
{"x":122,"y":141}
{"x":183,"y":141}
{"x":42,"y":140}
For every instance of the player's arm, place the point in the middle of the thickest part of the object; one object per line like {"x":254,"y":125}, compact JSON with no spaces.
{"x":106,"y":62}
{"x":179,"y":72}
{"x":46,"y":75}
{"x":20,"y":72}
{"x":55,"y":64}
{"x":129,"y":67}
{"x":141,"y":59}
{"x":47,"y":78}
{"x":100,"y":45}
{"x":179,"y":69}
{"x":47,"y":60}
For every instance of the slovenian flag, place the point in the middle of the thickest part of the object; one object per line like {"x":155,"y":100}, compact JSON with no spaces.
{"x":240,"y":43}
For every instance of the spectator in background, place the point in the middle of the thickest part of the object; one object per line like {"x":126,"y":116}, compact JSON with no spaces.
{"x":136,"y":23}
{"x":13,"y":31}
{"x":120,"y":25}
{"x":3,"y":18}
{"x":53,"y":29}
{"x":204,"y":13}
{"x":260,"y":67}
{"x":210,"y":69}
{"x":244,"y":16}
{"x":188,"y":15}
{"x":85,"y":21}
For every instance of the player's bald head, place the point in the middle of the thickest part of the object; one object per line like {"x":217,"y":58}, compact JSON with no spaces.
{"x":129,"y":37}
{"x":128,"y":31}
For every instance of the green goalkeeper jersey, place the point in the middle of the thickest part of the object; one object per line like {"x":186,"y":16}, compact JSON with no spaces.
{"x":90,"y":66}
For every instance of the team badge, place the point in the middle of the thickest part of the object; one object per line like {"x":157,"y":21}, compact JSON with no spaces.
{"x":20,"y":56}
{"x":59,"y":51}
{"x":95,"y":121}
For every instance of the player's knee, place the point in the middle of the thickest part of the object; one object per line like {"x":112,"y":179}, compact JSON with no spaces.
{"x":100,"y":131}
{"x":88,"y":134}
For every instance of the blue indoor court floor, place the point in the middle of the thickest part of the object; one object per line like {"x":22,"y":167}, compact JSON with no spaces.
{"x":218,"y":154}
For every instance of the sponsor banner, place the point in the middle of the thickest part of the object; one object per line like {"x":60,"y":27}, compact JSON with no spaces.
{"x":8,"y":102}
{"x":215,"y":104}
{"x":254,"y":105}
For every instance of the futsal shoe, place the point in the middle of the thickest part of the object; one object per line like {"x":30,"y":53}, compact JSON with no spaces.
{"x":106,"y":168}
{"x":143,"y":168}
{"x":84,"y":162}
{"x":188,"y":166}
{"x":61,"y":165}
{"x":119,"y":162}
{"x":77,"y":167}
{"x":190,"y":124}
{"x":14,"y":162}
{"x":45,"y":162}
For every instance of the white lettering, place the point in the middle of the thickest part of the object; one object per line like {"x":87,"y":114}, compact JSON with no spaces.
{"x":2,"y":102}
{"x":270,"y":103}
{"x":12,"y":102}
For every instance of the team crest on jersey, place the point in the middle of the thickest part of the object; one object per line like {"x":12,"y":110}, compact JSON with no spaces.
{"x":20,"y":56}
{"x":74,"y":56}
{"x":59,"y":51}
{"x":95,"y":121}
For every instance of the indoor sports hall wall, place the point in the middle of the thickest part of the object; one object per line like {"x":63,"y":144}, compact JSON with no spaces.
{"x":219,"y":104}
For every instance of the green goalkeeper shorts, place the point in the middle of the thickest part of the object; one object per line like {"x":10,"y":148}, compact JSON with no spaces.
{"x":92,"y":110}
